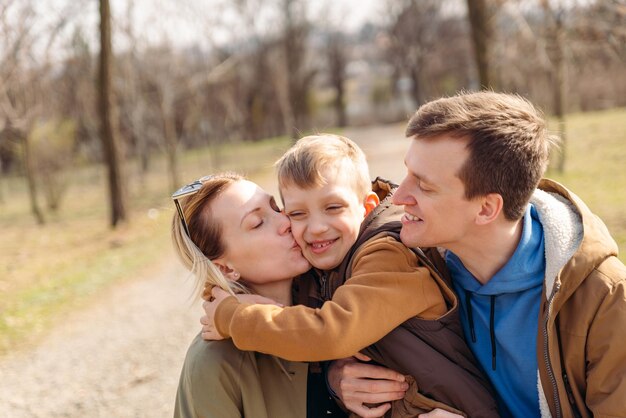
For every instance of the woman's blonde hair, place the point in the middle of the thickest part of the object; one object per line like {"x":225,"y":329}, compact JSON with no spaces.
{"x":204,"y":242}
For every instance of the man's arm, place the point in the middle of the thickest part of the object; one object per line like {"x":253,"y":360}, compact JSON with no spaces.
{"x":369,"y":305}
{"x":357,"y":384}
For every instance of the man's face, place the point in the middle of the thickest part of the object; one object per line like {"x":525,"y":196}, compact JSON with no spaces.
{"x":436,"y":210}
{"x":325,"y":221}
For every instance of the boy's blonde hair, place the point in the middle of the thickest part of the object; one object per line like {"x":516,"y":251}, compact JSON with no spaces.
{"x":317,"y":160}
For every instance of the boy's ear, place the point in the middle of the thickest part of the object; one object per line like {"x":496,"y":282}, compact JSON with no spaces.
{"x":370,"y":202}
{"x":490,"y":208}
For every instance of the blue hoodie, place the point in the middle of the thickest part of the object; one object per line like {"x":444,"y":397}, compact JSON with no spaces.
{"x":500,"y":319}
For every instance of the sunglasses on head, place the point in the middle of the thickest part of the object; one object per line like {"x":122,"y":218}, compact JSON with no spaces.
{"x":185,"y":191}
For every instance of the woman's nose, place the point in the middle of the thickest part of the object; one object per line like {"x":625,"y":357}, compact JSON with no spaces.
{"x":284,"y":224}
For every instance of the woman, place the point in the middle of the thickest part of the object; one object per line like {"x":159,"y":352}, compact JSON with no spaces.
{"x":230,"y":233}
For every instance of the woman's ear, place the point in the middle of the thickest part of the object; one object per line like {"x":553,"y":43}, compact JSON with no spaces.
{"x":370,"y":202}
{"x":490,"y":208}
{"x":227,"y":269}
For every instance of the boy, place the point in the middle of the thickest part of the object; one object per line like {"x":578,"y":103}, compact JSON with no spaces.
{"x":348,"y":228}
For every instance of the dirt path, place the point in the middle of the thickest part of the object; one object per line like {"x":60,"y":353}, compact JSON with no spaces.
{"x":121,"y":357}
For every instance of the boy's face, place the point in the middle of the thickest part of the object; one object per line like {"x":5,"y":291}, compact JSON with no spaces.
{"x":325,"y":220}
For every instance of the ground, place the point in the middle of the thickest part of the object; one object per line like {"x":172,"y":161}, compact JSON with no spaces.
{"x":121,"y":357}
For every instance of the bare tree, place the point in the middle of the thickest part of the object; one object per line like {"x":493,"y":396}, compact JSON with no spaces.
{"x":412,"y":34}
{"x":555,"y":43}
{"x":337,"y":61}
{"x":133,"y":102}
{"x":51,"y":151}
{"x":110,"y":141}
{"x":298,"y":75}
{"x":168,"y":118}
{"x":482,"y":33}
{"x":18,"y":88}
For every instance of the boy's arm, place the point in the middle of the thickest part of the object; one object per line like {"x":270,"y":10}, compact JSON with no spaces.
{"x":386,"y":288}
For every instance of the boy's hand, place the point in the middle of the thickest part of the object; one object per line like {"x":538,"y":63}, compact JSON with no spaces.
{"x":209,"y":332}
{"x":358,"y":383}
{"x":208,"y":329}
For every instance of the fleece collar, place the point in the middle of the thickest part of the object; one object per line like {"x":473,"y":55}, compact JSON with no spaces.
{"x":563,"y":232}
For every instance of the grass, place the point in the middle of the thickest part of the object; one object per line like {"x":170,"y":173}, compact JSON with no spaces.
{"x":594,"y":168}
{"x":47,"y":271}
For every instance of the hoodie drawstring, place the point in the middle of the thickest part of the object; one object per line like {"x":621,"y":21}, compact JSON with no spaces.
{"x":470,"y":317}
{"x":492,"y":328}
{"x":492,"y":331}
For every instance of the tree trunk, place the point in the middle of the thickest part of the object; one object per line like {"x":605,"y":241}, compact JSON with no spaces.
{"x":340,"y":106}
{"x":337,"y":66}
{"x":481,"y":38}
{"x":169,"y":133}
{"x":559,"y":90}
{"x":1,"y":183}
{"x":110,"y":142}
{"x":29,"y":168}
{"x":416,"y":85}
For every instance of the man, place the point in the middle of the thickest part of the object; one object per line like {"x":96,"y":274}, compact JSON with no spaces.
{"x":542,"y":294}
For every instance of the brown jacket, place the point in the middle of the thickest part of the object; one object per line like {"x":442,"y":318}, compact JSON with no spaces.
{"x":582,"y":328}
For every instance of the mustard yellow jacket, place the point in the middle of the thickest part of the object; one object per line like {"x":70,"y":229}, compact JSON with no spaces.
{"x":581,"y":344}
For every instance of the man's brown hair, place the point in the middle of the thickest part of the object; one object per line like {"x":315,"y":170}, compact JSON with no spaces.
{"x":508,"y":143}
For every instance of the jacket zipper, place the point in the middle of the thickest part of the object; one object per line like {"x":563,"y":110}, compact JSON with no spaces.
{"x":570,"y":396}
{"x":324,"y":287}
{"x":546,"y":356}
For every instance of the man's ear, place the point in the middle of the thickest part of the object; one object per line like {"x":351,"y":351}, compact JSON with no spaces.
{"x":491,"y":206}
{"x":370,"y":202}
{"x":227,"y":269}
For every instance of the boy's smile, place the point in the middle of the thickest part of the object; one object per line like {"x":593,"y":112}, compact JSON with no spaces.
{"x":319,"y":247}
{"x":325,"y":221}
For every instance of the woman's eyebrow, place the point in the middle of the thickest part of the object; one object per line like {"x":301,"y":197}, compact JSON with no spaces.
{"x":245,"y":215}
{"x":255,"y":209}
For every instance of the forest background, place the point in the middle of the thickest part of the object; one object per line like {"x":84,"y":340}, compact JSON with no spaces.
{"x":105,"y":109}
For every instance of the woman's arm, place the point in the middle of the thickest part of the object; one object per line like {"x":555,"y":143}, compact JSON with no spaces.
{"x":386,"y":288}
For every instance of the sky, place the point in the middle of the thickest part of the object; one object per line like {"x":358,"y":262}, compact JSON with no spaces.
{"x":187,"y":20}
{"x":184,"y":23}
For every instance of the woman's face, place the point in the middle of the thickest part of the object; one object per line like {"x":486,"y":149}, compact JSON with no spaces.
{"x":257,"y":236}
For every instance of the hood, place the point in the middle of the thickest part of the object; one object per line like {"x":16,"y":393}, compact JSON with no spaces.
{"x":576,"y":240}
{"x":386,"y":211}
